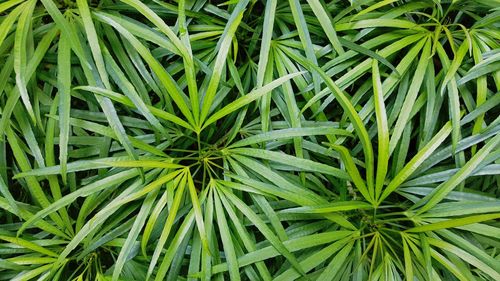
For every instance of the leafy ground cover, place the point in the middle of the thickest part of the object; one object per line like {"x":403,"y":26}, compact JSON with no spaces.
{"x":249,"y":140}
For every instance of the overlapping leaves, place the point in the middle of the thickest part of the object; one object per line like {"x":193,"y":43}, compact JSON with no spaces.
{"x":249,"y":140}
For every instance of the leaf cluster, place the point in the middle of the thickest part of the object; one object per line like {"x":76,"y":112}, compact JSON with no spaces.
{"x":249,"y":140}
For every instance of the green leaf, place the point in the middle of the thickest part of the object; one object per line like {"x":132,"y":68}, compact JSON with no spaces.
{"x":382,"y":130}
{"x":227,"y":242}
{"x":454,"y":222}
{"x":253,"y":95}
{"x":443,"y":189}
{"x":263,"y":228}
{"x":224,"y":45}
{"x":417,"y":160}
{"x":28,"y":244}
{"x":331,"y":207}
{"x":302,"y":164}
{"x":64,"y":87}
{"x":20,"y":56}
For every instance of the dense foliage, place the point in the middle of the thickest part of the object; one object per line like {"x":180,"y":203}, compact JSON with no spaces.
{"x":249,"y":140}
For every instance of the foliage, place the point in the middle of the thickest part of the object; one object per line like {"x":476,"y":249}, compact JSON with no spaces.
{"x":249,"y":140}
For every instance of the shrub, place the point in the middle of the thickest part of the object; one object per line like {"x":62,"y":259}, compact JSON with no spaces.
{"x":249,"y":140}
